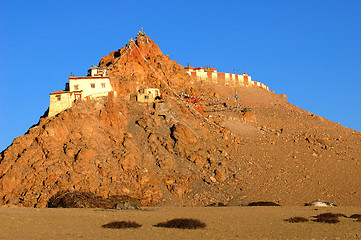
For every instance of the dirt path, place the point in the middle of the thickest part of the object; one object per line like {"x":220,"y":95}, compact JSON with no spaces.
{"x":222,"y":223}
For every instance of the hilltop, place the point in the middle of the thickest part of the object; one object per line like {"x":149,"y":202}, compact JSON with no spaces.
{"x":171,"y":152}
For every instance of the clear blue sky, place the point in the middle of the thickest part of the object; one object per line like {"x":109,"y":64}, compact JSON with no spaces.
{"x":309,"y":49}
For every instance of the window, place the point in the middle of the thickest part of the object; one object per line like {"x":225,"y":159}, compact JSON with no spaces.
{"x":146,"y":97}
{"x":92,"y":85}
{"x":76,"y":87}
{"x":103,"y":85}
{"x":58,"y":97}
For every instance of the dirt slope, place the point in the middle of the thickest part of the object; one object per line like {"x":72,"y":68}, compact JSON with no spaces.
{"x":163,"y":154}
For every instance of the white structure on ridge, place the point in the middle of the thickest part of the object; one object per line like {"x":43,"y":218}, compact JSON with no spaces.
{"x":211,"y":75}
{"x":96,"y":84}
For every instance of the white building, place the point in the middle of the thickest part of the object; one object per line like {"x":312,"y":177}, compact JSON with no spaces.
{"x":96,"y":84}
{"x":211,"y":75}
{"x":97,"y":72}
{"x":148,"y":94}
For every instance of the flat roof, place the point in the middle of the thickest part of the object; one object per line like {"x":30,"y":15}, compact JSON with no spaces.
{"x":59,"y":92}
{"x":64,"y":92}
{"x":89,"y":77}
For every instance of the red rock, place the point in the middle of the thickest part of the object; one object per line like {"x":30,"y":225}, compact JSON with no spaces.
{"x":112,"y":146}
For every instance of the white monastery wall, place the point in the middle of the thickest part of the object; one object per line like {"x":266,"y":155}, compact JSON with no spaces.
{"x":228,"y":79}
{"x":89,"y":87}
{"x":100,"y":94}
{"x":94,"y":71}
{"x":59,"y":101}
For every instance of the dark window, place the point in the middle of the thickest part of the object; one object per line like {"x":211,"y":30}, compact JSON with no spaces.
{"x":58,"y":97}
{"x":92,"y":85}
{"x":146,"y":97}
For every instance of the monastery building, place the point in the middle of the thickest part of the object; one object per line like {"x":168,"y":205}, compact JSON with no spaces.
{"x":211,"y":75}
{"x":96,"y":84}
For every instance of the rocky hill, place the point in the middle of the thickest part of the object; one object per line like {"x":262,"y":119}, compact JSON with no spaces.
{"x":165,"y":153}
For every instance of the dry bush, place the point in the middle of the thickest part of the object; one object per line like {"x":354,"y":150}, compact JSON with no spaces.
{"x":121,"y":224}
{"x":330,"y":215}
{"x":296,"y":219}
{"x":77,"y":199}
{"x":327,"y":220}
{"x":263,"y":204}
{"x":183,"y":223}
{"x":356,"y":216}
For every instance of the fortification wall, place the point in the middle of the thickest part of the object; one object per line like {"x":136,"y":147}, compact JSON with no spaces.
{"x":228,"y":79}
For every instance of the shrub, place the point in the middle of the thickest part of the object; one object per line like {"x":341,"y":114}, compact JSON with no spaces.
{"x":327,"y":220}
{"x":356,"y":216}
{"x":183,"y":223}
{"x":263,"y":204}
{"x":296,"y":219}
{"x":121,"y":224}
{"x":329,"y":217}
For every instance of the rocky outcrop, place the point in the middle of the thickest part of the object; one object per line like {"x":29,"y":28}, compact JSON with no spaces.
{"x":164,"y":154}
{"x":141,"y":64}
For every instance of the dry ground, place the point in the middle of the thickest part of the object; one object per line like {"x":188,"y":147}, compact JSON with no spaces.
{"x":222,"y":223}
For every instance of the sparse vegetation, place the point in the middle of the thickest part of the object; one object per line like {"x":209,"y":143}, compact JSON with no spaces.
{"x":183,"y":223}
{"x":327,"y":220}
{"x":296,"y":219}
{"x":263,"y":204}
{"x":329,"y":217}
{"x":356,"y":216}
{"x":121,"y":224}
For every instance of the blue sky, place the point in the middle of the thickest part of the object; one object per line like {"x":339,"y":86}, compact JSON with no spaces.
{"x":309,"y":50}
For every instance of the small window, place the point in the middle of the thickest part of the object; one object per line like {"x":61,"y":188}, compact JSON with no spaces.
{"x":58,"y":97}
{"x":76,"y":87}
{"x":92,"y":85}
{"x":103,"y":85}
{"x":146,"y":97}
